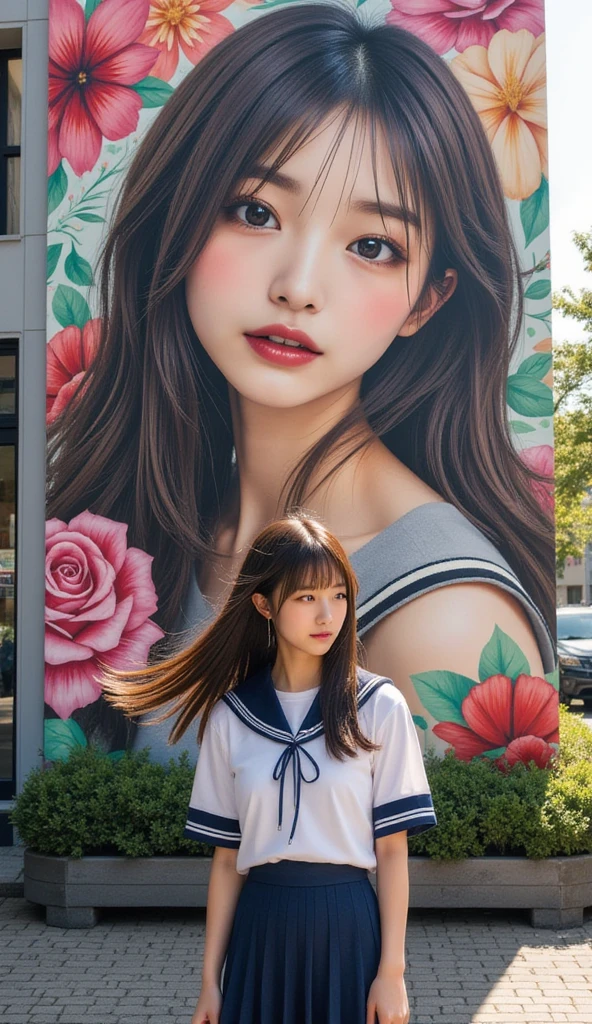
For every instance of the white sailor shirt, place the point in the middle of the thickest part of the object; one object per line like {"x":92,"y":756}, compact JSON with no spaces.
{"x":274,"y":795}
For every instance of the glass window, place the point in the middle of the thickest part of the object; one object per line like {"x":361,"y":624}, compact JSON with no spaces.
{"x":11,"y":91}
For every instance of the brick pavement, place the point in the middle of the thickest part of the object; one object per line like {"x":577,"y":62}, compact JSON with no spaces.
{"x":143,"y":967}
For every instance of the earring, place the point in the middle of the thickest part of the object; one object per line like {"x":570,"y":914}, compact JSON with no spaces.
{"x":269,"y":632}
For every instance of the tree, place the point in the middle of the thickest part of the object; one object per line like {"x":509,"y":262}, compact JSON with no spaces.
{"x":572,"y":374}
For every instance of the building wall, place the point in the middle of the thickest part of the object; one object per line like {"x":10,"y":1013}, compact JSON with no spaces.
{"x":577,"y":573}
{"x":22,"y":316}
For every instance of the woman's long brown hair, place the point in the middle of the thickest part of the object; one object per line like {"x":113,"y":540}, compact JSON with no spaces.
{"x":148,"y":440}
{"x":290,"y":554}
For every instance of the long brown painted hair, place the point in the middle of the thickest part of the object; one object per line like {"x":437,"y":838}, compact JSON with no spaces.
{"x":291,"y":554}
{"x":148,"y":440}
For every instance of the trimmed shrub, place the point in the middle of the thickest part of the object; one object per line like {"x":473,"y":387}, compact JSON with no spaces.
{"x":94,"y":804}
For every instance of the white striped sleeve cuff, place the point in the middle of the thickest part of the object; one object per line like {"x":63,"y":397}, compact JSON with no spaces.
{"x":212,"y":829}
{"x":412,"y":813}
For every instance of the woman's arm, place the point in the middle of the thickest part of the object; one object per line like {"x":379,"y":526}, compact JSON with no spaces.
{"x":387,"y":998}
{"x":447,"y":629}
{"x":223,"y":893}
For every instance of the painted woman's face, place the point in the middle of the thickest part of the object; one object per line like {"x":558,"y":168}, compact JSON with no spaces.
{"x":299,"y":289}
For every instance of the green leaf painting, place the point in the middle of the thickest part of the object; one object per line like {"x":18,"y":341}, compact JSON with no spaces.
{"x":528,"y":396}
{"x":61,"y":737}
{"x":502,"y":656}
{"x":57,"y":186}
{"x":420,"y":721}
{"x":520,"y":427}
{"x":442,"y":694}
{"x":78,"y":270}
{"x":89,"y":7}
{"x":90,"y":218}
{"x":53,"y":256}
{"x":553,"y":678}
{"x":69,"y":307}
{"x":537,"y":366}
{"x":534,"y":213}
{"x":538,"y":290}
{"x":153,"y":91}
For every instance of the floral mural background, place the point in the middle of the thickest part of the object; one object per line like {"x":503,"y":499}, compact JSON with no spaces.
{"x":113,"y":64}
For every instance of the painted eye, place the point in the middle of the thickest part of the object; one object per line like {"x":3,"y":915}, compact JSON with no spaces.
{"x":255,"y":215}
{"x":376,"y":250}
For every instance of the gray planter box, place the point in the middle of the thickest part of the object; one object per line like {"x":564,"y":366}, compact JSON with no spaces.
{"x":555,"y":890}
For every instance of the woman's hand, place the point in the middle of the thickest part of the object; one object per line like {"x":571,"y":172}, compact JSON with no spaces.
{"x":387,"y":1000}
{"x":208,"y":1006}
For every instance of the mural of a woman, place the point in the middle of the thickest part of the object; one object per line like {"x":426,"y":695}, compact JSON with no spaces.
{"x":311,"y":295}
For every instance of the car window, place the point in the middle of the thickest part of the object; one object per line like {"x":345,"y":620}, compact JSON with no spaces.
{"x":576,"y":627}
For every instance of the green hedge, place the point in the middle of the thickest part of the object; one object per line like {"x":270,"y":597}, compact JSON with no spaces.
{"x":91,"y":804}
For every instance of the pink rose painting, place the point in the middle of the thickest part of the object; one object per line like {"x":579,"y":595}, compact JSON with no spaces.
{"x":69,"y":355}
{"x":91,"y":68}
{"x":456,"y":24}
{"x":99,"y":599}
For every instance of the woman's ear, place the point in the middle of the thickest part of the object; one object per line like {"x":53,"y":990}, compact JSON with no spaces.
{"x":262,"y":605}
{"x":431,"y":304}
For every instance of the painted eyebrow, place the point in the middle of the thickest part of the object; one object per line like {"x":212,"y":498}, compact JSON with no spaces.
{"x":370,"y":206}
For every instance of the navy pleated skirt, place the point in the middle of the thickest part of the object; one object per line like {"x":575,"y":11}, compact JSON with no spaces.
{"x":304,"y":947}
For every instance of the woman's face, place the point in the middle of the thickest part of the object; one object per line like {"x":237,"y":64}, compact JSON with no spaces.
{"x":310,"y":619}
{"x":276,"y":263}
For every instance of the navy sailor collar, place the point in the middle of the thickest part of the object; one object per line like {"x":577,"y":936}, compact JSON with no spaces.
{"x":256,"y":704}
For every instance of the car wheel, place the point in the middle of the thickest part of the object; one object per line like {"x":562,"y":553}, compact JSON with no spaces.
{"x":565,"y":699}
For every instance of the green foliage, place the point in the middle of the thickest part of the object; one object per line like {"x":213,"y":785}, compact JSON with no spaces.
{"x":92,"y":804}
{"x":526,"y":811}
{"x":572,"y":372}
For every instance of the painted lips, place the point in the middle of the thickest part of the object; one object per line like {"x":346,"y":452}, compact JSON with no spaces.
{"x":282,"y":345}
{"x":320,"y":636}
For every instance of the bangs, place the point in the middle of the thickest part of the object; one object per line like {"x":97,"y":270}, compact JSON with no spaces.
{"x":311,"y":568}
{"x":371,"y":126}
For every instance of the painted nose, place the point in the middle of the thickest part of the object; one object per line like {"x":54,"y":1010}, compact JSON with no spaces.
{"x":297,"y":285}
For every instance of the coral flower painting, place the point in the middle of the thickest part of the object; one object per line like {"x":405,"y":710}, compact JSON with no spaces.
{"x":157,"y":112}
{"x":193,"y":26}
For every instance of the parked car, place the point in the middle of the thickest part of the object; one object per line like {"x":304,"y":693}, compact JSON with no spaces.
{"x":574,"y":650}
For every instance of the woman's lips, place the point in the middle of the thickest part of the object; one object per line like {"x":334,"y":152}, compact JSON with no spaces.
{"x":280,"y":355}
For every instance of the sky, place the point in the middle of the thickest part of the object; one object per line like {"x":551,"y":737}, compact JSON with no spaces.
{"x":569,"y":54}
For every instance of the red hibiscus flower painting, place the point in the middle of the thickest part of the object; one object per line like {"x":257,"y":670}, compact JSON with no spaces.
{"x":69,"y":354}
{"x":507,"y":715}
{"x":91,"y":68}
{"x":520,"y":716}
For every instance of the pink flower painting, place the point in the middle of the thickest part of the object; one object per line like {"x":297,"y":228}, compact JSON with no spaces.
{"x":540,"y":458}
{"x":69,"y":355}
{"x":193,"y":26}
{"x":99,"y":599}
{"x":91,"y":68}
{"x":456,"y":24}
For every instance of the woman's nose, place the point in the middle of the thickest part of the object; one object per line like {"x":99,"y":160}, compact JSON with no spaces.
{"x":298,"y":283}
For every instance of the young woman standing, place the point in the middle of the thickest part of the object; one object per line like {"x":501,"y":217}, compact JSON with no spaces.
{"x":309,"y":775}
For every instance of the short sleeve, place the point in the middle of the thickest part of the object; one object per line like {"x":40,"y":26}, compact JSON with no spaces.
{"x":401,"y":794}
{"x":212,"y":816}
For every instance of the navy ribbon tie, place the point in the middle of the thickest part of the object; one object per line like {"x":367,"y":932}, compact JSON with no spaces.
{"x":292,"y":753}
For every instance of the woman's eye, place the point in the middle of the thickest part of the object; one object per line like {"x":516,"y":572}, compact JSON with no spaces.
{"x":254,"y":214}
{"x":378,"y":250}
{"x":342,"y":595}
